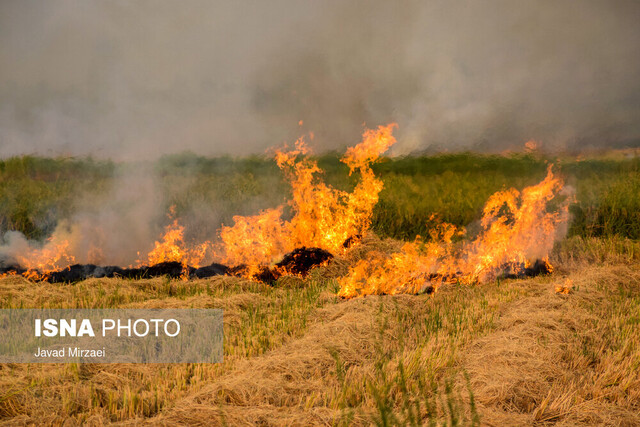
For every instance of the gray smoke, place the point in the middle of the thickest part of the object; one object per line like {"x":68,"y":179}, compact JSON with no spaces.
{"x":131,"y":80}
{"x":118,"y":227}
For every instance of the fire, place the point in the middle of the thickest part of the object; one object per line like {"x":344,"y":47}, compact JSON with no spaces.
{"x":324,"y":217}
{"x":55,"y":254}
{"x":517,"y":229}
{"x":255,"y":240}
{"x":172,"y":247}
{"x":565,"y":288}
{"x":411,"y":270}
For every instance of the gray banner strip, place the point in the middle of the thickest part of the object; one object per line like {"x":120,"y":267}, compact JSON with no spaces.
{"x":111,"y":335}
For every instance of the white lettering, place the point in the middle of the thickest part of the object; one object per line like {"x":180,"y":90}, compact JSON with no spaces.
{"x":135,"y":328}
{"x":156,"y":322}
{"x":86,"y":328}
{"x":166,"y":324}
{"x":50,"y":328}
{"x":127,"y":327}
{"x":105,"y":327}
{"x":67,"y":327}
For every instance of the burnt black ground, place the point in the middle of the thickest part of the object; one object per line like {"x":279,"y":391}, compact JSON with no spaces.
{"x":78,"y":272}
{"x":214,"y":269}
{"x":297,"y":262}
{"x":171,"y":269}
{"x":352,"y":241}
{"x":11,"y":268}
{"x":300,"y":261}
{"x":75,"y":273}
{"x":538,"y":268}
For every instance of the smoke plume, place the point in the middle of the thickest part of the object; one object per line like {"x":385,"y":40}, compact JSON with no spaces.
{"x":130,"y":80}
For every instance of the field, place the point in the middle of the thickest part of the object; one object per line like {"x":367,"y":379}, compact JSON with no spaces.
{"x":512,"y":352}
{"x":35,"y":193}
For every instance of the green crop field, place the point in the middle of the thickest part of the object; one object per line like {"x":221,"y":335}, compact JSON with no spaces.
{"x":37,"y":192}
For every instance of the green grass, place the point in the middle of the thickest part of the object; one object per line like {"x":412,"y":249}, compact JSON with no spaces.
{"x":35,"y":193}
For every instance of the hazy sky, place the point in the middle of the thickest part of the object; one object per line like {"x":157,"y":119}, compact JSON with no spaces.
{"x":126,"y":79}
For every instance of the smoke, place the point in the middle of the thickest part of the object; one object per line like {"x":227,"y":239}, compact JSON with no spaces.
{"x":131,"y":80}
{"x":112,"y":229}
{"x":108,"y":228}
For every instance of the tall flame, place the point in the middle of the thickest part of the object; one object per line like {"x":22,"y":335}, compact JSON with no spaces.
{"x":324,"y":217}
{"x":517,"y":229}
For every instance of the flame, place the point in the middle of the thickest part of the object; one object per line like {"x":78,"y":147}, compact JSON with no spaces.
{"x":517,"y":229}
{"x":255,"y":240}
{"x":324,"y":217}
{"x":411,"y":270}
{"x":38,"y":261}
{"x":172,"y":248}
{"x":565,"y":288}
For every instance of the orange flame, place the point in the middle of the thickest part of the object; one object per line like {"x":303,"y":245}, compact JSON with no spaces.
{"x":172,"y":247}
{"x":54,"y":255}
{"x":565,"y":288}
{"x":409,"y":271}
{"x":517,"y":229}
{"x":324,"y":217}
{"x":255,"y":240}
